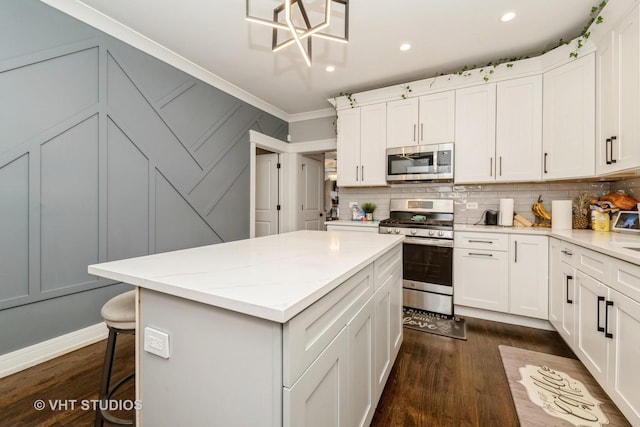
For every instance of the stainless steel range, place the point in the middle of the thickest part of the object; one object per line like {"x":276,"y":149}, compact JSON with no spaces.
{"x":427,"y":251}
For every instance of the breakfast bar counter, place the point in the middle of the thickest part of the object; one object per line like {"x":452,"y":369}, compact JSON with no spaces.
{"x":294,"y":329}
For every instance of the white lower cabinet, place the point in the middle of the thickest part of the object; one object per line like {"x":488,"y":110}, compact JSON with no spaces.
{"x":503,"y":273}
{"x":562,"y":291}
{"x":599,"y":323}
{"x":319,"y":397}
{"x":339,"y":352}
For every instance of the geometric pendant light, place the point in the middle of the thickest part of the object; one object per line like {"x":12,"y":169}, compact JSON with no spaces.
{"x":291,"y":16}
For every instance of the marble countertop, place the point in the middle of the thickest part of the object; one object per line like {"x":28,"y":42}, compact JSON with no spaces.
{"x":609,"y":243}
{"x":274,"y":277}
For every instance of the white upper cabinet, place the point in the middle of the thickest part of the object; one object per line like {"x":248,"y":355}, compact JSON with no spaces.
{"x":568,"y":139}
{"x":428,"y":119}
{"x":361,"y":146}
{"x":475,"y":131}
{"x":499,"y":131}
{"x":618,"y":88}
{"x":519,"y":130}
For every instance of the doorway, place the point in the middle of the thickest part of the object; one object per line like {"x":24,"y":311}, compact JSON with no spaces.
{"x":267,"y":197}
{"x":312,"y":197}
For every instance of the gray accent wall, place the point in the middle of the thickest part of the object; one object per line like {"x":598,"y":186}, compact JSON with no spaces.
{"x":105,"y":153}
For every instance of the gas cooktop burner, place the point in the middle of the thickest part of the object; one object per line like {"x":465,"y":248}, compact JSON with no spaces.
{"x":420,"y":218}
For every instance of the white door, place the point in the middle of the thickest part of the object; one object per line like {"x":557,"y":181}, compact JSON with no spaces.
{"x":528,"y":276}
{"x":402,"y":123}
{"x":481,"y":279}
{"x":312,"y":185}
{"x":266,"y":194}
{"x":437,"y":118}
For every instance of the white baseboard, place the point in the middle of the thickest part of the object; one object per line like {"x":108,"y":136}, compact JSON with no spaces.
{"x":495,"y":316}
{"x":27,"y":357}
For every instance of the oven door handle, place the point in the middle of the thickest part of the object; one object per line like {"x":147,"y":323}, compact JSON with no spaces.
{"x":444,"y":243}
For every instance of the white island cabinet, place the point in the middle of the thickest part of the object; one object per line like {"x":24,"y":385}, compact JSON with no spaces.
{"x":295,"y":329}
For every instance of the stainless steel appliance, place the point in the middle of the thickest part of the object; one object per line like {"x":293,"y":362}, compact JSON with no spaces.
{"x":427,"y":251}
{"x":433,"y":162}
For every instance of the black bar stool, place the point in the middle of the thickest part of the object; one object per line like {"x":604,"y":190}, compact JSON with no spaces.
{"x":119,"y":314}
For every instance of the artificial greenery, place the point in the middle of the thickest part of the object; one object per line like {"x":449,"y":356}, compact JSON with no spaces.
{"x":489,"y":69}
{"x":369,"y":207}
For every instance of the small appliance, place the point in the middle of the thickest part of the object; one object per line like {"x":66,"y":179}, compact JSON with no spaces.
{"x":425,"y":162}
{"x":490,"y":217}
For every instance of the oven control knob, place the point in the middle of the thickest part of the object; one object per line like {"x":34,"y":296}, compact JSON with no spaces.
{"x":413,"y":232}
{"x":389,"y":230}
{"x":397,"y":231}
{"x":431,"y":232}
{"x":440,"y":233}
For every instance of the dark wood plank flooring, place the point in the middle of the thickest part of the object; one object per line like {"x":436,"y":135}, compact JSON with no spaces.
{"x":435,"y":382}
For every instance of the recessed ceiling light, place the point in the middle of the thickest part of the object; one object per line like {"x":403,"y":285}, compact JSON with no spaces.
{"x":405,"y":46}
{"x":508,"y":16}
{"x":330,"y":69}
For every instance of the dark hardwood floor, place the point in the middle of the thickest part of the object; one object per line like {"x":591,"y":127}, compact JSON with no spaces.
{"x":435,"y":382}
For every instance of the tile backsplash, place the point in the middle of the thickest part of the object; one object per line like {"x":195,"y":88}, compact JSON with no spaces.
{"x":486,"y":195}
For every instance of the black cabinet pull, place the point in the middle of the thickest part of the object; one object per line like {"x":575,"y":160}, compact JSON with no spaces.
{"x":606,"y":320}
{"x":479,"y":254}
{"x":607,"y":150}
{"x":569,"y":301}
{"x":600,"y":328}
{"x":515,"y":255}
{"x":545,"y":162}
{"x":613,"y":139}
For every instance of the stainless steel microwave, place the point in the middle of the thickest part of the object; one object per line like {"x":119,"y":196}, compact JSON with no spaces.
{"x":433,"y":162}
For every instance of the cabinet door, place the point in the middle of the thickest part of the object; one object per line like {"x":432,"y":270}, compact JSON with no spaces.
{"x":361,"y":384}
{"x":481,"y":279}
{"x":437,"y":118}
{"x":373,"y":145}
{"x":529,"y":276}
{"x":591,"y":346}
{"x":388,"y":328}
{"x":348,"y":145}
{"x":475,"y":133}
{"x":568,"y":134}
{"x":320,"y":397}
{"x":519,"y":129}
{"x":402,"y":122}
{"x":618,"y":66}
{"x":562,"y":294}
{"x":624,"y":353}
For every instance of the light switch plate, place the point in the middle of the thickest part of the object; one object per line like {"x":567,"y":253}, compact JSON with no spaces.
{"x":156,"y":342}
{"x":472,"y":205}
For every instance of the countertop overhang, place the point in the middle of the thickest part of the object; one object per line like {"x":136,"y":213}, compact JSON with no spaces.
{"x":274,"y":277}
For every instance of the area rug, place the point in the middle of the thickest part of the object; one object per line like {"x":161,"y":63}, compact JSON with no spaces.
{"x":433,"y":323}
{"x":550,"y":390}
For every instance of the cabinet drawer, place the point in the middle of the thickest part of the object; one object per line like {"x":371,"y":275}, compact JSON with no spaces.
{"x":625,"y":278}
{"x":386,"y":265}
{"x":486,"y":241}
{"x":593,"y":263}
{"x":308,"y":334}
{"x":569,"y":253}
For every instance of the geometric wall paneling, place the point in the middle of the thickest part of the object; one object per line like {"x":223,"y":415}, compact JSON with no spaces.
{"x":127,"y":197}
{"x":39,"y":103}
{"x":14,"y":229}
{"x":230,"y":216}
{"x":177,"y":224}
{"x":39,"y":28}
{"x":192,"y":113}
{"x":272,"y":126}
{"x":69,"y":207}
{"x":142,"y":123}
{"x":234,"y":128}
{"x":216,"y":182}
{"x":156,"y":79}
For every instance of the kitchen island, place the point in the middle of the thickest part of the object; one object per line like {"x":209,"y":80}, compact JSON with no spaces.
{"x":295,"y":329}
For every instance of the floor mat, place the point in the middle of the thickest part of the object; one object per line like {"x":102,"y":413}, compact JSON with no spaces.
{"x":550,"y":390}
{"x":433,"y":323}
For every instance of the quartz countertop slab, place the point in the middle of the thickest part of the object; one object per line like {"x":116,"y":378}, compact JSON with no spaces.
{"x":274,"y":277}
{"x":609,"y":243}
{"x":375,"y":223}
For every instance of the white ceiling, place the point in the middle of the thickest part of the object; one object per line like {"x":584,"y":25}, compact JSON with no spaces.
{"x":445,"y":35}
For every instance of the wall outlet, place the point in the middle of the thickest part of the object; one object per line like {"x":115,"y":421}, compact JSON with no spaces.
{"x":353,"y":204}
{"x":156,"y":342}
{"x":471,"y":205}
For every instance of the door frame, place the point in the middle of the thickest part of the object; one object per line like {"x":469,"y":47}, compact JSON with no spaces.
{"x":289,"y":185}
